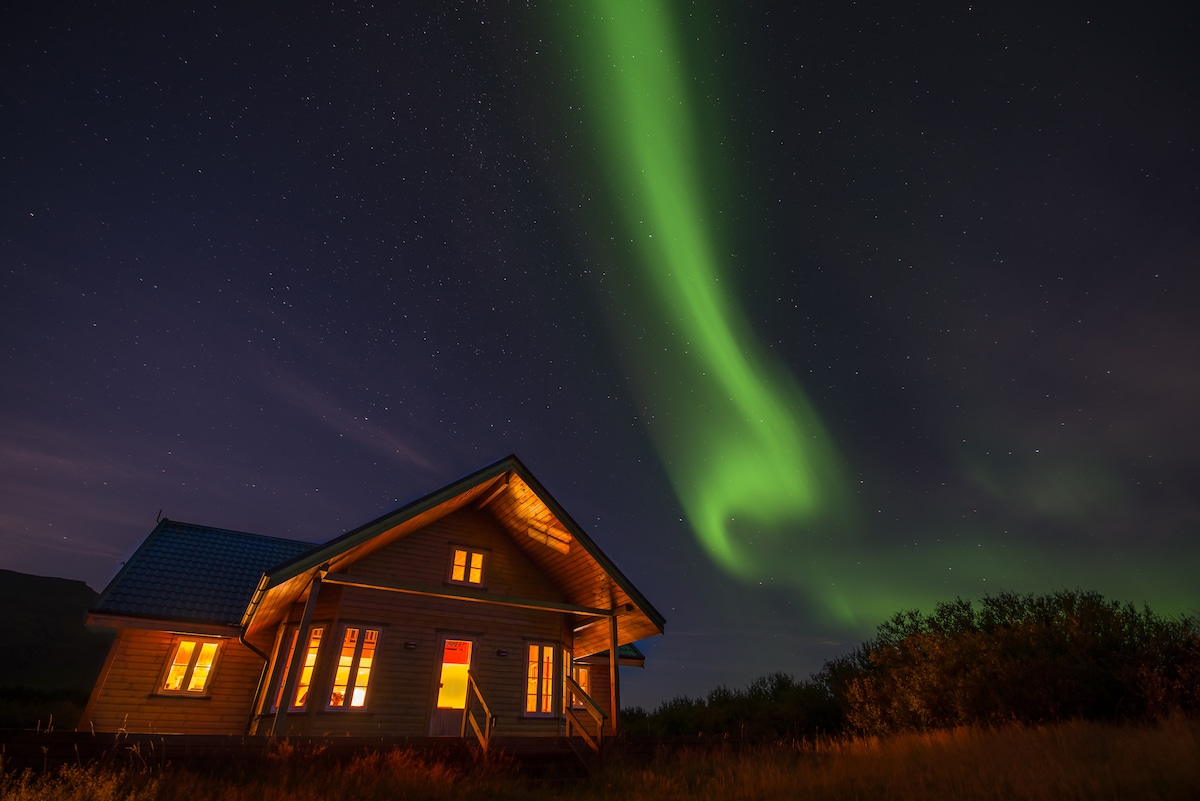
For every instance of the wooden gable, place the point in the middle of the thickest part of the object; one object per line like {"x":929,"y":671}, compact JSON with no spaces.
{"x":569,"y":572}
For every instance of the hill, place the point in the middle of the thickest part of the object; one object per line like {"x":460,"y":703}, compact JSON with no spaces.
{"x":51,"y":659}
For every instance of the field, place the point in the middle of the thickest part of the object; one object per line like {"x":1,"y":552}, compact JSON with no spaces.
{"x":1068,"y":761}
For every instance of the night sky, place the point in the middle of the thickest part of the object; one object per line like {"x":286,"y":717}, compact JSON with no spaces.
{"x":807,"y":315}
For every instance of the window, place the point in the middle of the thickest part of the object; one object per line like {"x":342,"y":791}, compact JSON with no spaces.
{"x":583,"y":677}
{"x":539,"y":679}
{"x":306,"y":669}
{"x":190,"y":668}
{"x":466,"y":566}
{"x":353,"y":668}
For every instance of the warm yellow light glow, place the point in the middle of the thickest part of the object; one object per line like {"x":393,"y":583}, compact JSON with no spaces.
{"x":355,"y":661}
{"x":557,"y":538}
{"x":341,"y":678}
{"x":583,"y":677}
{"x":365,"y":660}
{"x":310,"y":660}
{"x":466,"y":567}
{"x":191,"y":666}
{"x":456,"y":663}
{"x":179,"y":665}
{"x":539,"y":683}
{"x":200,"y":673}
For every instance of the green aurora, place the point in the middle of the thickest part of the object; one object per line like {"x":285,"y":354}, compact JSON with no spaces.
{"x":757,"y":474}
{"x":748,"y":456}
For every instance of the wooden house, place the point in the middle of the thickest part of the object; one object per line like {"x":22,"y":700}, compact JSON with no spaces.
{"x":479,"y":608}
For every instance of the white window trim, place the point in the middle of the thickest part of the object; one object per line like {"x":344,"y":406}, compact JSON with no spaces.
{"x":362,"y":628}
{"x":555,"y":681}
{"x":286,"y":654}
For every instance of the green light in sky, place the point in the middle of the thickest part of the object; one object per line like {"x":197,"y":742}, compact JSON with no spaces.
{"x":749,"y":458}
{"x":753,"y":467}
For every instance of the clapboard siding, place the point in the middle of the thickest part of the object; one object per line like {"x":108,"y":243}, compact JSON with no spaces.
{"x":403,"y":686}
{"x":126,"y":700}
{"x":535,"y":557}
{"x":423,"y":557}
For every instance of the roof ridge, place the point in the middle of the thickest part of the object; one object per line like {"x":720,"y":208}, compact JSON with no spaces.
{"x":223,"y":530}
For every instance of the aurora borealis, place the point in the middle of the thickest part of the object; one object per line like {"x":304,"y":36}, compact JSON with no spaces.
{"x":747,"y":454}
{"x":807,"y":314}
{"x":762,"y":484}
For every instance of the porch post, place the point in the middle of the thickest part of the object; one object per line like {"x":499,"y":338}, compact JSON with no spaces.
{"x":298,"y":653}
{"x":614,"y":674}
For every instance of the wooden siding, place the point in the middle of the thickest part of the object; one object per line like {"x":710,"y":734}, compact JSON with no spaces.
{"x":125,"y":698}
{"x":403,"y":684}
{"x":579,"y":577}
{"x":423,"y":557}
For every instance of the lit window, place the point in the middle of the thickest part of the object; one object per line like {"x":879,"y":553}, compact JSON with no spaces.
{"x":191,"y":666}
{"x":466,"y":567}
{"x":583,"y":677}
{"x":539,"y":680}
{"x":306,"y":670}
{"x":354,"y":668}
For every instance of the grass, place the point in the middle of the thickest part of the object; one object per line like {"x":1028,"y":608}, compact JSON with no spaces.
{"x":1070,"y":761}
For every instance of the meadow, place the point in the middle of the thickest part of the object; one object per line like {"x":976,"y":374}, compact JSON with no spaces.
{"x":1071,"y":760}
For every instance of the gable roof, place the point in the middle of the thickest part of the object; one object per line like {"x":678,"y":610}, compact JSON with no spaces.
{"x":530,"y":516}
{"x":193,"y":574}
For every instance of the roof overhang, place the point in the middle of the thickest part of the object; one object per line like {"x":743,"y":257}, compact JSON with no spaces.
{"x":594,"y":590}
{"x":161,"y":624}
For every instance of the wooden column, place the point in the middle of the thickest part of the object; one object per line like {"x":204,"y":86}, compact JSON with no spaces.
{"x":614,"y":674}
{"x":298,"y":654}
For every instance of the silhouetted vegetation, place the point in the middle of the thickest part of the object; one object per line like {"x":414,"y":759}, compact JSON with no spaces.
{"x":772,"y":707}
{"x":1073,"y":760}
{"x":1062,"y":656}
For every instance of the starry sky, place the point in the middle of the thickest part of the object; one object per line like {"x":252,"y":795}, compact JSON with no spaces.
{"x":806,"y":313}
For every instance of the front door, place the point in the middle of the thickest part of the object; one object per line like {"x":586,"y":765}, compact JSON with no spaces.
{"x":446,"y":720}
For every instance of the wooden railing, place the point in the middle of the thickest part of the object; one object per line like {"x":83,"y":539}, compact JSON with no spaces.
{"x":572,"y":692}
{"x":484,"y":733}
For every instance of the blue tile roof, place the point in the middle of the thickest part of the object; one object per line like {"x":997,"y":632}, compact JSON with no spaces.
{"x":194,"y":573}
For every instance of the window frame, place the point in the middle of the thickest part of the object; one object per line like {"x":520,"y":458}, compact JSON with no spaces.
{"x":470,"y":551}
{"x":355,"y":664}
{"x":291,"y":636}
{"x":544,"y":699}
{"x":198,"y":642}
{"x":581,"y":670}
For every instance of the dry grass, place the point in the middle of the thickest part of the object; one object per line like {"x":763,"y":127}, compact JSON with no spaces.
{"x":1072,"y":761}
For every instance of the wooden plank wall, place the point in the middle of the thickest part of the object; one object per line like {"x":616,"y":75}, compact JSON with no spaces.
{"x":404,"y":680}
{"x":127,"y":700}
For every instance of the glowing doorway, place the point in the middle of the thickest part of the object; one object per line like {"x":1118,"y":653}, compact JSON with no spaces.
{"x":446,"y":720}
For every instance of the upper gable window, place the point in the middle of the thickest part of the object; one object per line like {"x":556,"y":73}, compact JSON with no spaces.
{"x":190,"y":668}
{"x":466,"y":566}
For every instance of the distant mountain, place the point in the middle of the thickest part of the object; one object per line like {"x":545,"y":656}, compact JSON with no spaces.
{"x":50,"y":658}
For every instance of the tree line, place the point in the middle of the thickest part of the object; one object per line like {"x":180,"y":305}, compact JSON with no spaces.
{"x":1068,"y":655}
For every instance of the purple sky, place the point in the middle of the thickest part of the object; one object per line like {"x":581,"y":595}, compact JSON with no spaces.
{"x":283,"y":271}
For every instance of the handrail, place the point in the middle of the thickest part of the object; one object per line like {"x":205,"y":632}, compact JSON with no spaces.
{"x":573,"y":691}
{"x":484,"y":734}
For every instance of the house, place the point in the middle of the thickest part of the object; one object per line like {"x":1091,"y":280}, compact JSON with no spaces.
{"x":480,"y":608}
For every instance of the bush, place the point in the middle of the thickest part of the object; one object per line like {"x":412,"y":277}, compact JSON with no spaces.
{"x":1035,"y":658}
